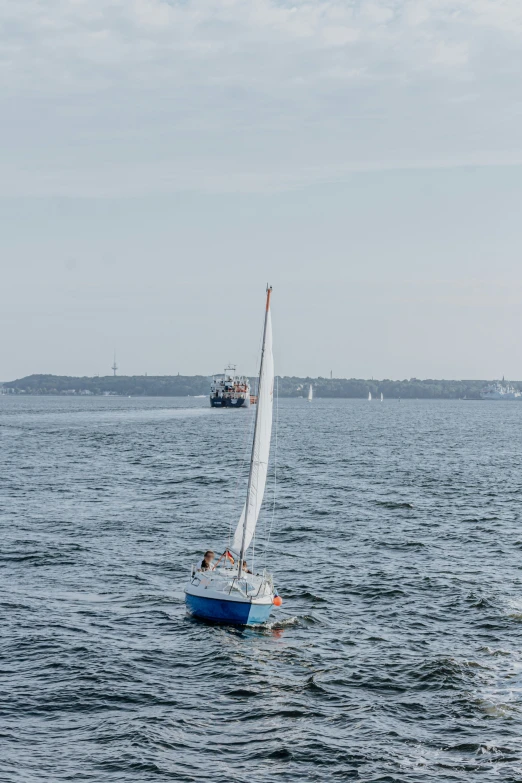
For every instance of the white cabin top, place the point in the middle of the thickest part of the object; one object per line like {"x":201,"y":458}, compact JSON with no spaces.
{"x":228,"y":381}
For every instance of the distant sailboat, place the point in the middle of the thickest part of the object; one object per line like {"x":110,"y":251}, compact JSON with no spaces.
{"x":369,"y":396}
{"x":310,"y":394}
{"x":382,"y":397}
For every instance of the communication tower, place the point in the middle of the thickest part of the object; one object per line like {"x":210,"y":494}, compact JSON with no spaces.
{"x":114,"y":365}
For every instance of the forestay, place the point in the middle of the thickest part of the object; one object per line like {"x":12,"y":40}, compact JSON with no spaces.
{"x":261,"y":446}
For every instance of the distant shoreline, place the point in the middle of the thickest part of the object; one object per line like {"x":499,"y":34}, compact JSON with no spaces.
{"x":198,"y":385}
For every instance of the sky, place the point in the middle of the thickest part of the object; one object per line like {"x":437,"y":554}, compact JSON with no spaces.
{"x":160,"y":162}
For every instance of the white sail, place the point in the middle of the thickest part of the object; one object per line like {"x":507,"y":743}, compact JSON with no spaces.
{"x":310,"y":394}
{"x":261,"y":448}
{"x":369,"y":396}
{"x":382,"y":397}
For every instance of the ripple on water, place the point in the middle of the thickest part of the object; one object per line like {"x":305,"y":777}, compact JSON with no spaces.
{"x":396,"y":654}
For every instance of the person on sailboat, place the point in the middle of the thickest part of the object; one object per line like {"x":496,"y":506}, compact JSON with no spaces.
{"x":206,"y":563}
{"x":227,"y":556}
{"x":246,"y":568}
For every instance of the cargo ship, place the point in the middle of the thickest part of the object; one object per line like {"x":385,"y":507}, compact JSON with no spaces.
{"x":229,"y":390}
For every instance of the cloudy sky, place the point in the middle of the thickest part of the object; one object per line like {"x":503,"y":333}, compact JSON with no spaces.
{"x":161,"y":161}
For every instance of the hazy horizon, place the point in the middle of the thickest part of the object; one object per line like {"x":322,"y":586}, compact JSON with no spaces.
{"x":161,"y":162}
{"x":376,"y":379}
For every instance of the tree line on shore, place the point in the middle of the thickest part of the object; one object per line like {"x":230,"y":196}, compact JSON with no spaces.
{"x":193,"y":385}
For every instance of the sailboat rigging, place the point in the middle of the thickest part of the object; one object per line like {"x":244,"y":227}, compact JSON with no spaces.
{"x":230,"y":593}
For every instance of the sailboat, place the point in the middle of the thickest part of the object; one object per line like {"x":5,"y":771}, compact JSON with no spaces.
{"x":229,"y":593}
{"x":369,"y":396}
{"x":382,"y":397}
{"x":310,"y":394}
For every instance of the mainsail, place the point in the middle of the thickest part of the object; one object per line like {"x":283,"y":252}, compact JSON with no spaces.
{"x":310,"y":394}
{"x":261,"y":445}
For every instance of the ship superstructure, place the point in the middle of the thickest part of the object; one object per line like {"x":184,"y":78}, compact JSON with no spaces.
{"x":500,"y":390}
{"x":229,"y":390}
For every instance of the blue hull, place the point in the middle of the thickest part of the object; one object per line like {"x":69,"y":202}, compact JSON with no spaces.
{"x":220,"y":402}
{"x":234,"y":612}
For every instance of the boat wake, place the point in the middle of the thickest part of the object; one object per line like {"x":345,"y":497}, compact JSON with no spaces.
{"x":276,"y":625}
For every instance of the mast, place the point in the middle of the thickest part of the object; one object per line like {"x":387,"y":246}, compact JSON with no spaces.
{"x":249,"y":485}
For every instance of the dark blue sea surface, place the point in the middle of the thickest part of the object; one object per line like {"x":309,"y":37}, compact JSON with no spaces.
{"x":396,"y":545}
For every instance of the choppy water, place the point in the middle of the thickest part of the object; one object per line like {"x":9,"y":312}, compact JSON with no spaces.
{"x":397,"y":547}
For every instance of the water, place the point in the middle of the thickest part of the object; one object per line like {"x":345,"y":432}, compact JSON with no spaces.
{"x":397,"y":548}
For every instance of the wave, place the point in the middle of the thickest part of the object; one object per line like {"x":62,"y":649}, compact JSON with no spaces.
{"x":400,"y":580}
{"x":393,"y":504}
